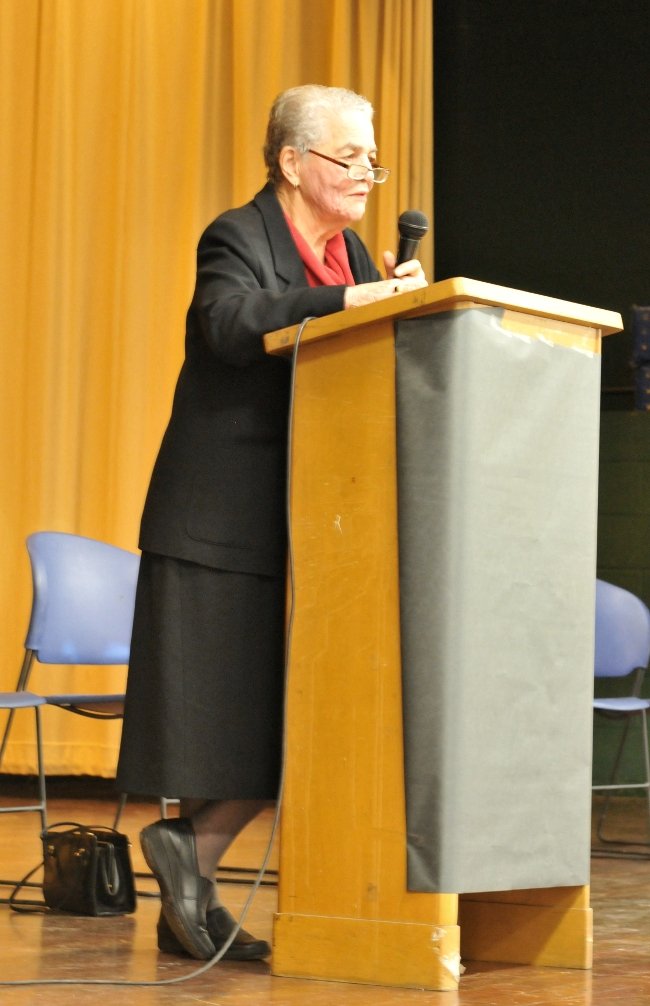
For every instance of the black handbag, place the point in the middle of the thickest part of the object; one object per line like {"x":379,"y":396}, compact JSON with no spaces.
{"x":87,"y":870}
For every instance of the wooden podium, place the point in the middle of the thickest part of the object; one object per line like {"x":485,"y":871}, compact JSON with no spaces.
{"x":345,"y":910}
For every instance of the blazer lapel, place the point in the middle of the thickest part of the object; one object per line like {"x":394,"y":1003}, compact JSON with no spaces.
{"x":286,"y":260}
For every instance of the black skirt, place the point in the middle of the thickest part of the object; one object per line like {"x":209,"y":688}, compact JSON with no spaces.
{"x":204,"y":697}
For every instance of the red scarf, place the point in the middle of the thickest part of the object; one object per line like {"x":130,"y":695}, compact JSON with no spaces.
{"x":334,"y":271}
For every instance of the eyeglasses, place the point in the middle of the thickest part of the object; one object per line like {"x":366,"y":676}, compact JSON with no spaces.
{"x":359,"y":172}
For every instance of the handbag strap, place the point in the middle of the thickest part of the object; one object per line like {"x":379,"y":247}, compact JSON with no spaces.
{"x":92,"y":829}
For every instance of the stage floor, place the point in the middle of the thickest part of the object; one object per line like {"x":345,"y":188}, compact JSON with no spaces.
{"x":37,"y":947}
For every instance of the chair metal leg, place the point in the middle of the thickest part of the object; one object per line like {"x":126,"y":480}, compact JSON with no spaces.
{"x":646,"y":755}
{"x":612,"y":785}
{"x":41,"y":770}
{"x":121,"y":804}
{"x":612,"y":780}
{"x":21,"y":686}
{"x":164,"y":803}
{"x":41,"y":805}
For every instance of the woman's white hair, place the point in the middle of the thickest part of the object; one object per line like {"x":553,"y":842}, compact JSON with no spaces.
{"x":299,"y":117}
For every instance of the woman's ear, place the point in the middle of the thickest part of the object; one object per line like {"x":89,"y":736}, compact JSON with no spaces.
{"x":290,"y":161}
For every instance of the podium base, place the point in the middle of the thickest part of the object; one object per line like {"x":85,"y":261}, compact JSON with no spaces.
{"x":367,"y":951}
{"x":550,"y":927}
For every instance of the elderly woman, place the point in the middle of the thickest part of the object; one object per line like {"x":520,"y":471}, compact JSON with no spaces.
{"x":203,"y":717}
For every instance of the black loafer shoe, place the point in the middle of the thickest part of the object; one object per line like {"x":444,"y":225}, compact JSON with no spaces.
{"x":169,"y":847}
{"x":220,"y":925}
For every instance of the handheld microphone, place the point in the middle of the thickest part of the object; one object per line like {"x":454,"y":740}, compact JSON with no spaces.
{"x":412,"y":226}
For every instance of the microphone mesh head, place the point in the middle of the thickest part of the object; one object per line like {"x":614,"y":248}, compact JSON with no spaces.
{"x":412,"y":224}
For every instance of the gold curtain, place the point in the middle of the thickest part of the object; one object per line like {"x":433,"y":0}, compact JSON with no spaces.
{"x":127,"y":125}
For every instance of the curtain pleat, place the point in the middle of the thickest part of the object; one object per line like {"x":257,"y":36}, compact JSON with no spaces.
{"x":127,"y":126}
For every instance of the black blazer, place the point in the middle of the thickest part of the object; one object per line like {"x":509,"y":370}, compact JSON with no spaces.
{"x":217,"y":493}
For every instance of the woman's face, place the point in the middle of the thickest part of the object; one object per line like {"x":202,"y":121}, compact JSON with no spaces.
{"x":333,"y":198}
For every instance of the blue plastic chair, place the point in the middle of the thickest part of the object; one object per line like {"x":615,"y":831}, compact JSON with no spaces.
{"x":83,"y":598}
{"x":622,"y":649}
{"x":82,"y":613}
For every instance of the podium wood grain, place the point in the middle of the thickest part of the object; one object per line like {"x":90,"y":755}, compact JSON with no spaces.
{"x":344,"y":911}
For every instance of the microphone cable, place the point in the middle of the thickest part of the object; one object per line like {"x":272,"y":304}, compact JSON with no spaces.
{"x":255,"y":886}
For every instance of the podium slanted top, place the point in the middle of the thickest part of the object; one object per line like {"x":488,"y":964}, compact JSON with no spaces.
{"x":446,"y":295}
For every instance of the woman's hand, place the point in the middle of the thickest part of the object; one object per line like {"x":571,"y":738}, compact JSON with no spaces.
{"x":406,"y":270}
{"x":403,"y":278}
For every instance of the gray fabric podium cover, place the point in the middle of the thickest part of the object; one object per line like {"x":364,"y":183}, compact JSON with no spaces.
{"x":497,"y":475}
